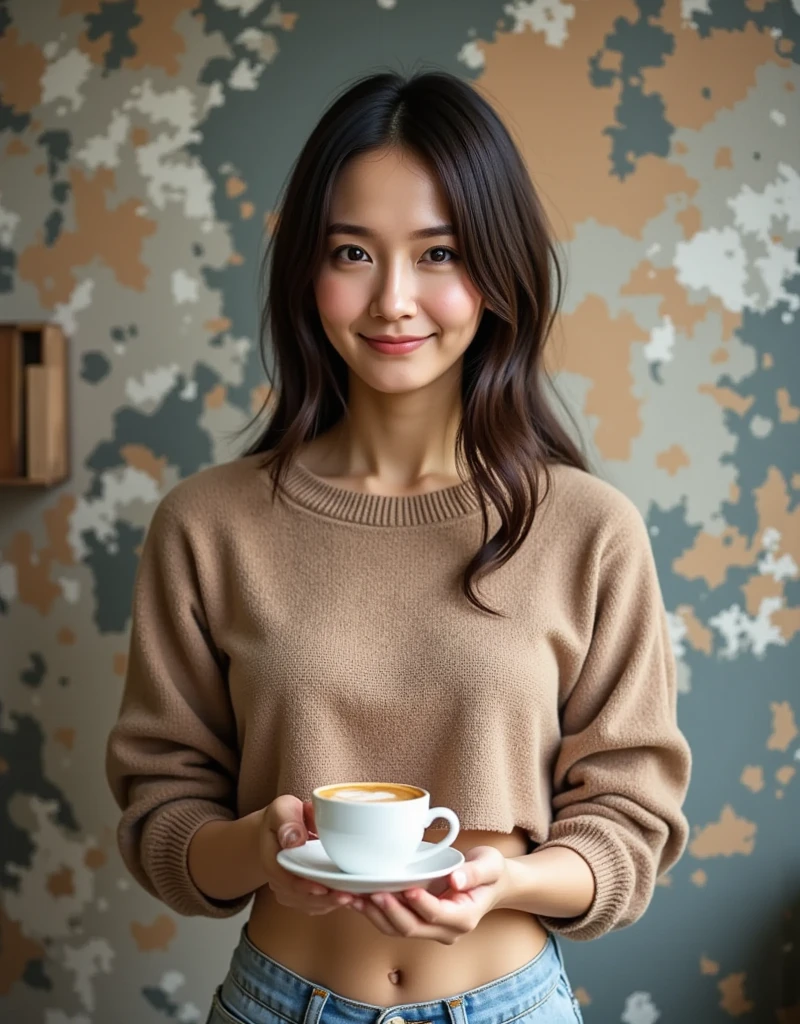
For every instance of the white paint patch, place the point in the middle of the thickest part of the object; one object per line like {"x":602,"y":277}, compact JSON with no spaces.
{"x":54,"y":850}
{"x":677,"y":634}
{"x":185,"y":288}
{"x":387,"y":5}
{"x":8,"y":226}
{"x":65,"y":312}
{"x":57,"y":1017}
{"x":662,"y":342}
{"x":8,"y":582}
{"x":783,"y":568}
{"x":103,"y":150}
{"x":188,"y":1014}
{"x":172,"y":175}
{"x":244,"y":7}
{"x":189,"y":392}
{"x":715,"y":259}
{"x":153,"y":385}
{"x":70,"y":589}
{"x":640,"y":1009}
{"x":742,"y":633}
{"x":87,"y":962}
{"x":215,"y":97}
{"x":262,"y":44}
{"x":691,"y":7}
{"x":171,"y":981}
{"x":778,"y":117}
{"x":245,"y":76}
{"x":550,"y":17}
{"x":120,"y":487}
{"x":760,"y":426}
{"x":65,"y":77}
{"x":472,"y":55}
{"x":51,"y":49}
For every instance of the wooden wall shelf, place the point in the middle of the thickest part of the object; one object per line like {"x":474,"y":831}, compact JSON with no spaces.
{"x":34,"y":422}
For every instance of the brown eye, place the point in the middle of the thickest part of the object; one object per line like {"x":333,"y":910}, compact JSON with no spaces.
{"x":349,"y":249}
{"x":443,"y":249}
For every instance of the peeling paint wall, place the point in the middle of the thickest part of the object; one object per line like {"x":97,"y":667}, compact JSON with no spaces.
{"x":143,"y":143}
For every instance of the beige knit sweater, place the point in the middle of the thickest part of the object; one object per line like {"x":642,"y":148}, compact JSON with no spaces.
{"x":324,"y":638}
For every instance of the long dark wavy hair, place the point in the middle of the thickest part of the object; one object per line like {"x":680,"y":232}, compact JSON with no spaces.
{"x":509,"y":434}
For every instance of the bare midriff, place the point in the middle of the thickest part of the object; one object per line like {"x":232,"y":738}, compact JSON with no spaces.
{"x":345,"y":953}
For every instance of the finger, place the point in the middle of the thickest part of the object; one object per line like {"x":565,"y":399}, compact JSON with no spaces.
{"x":400,"y":917}
{"x":378,"y":918}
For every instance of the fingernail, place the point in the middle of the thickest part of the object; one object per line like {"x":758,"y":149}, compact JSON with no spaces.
{"x":291,"y":836}
{"x":458,"y":879}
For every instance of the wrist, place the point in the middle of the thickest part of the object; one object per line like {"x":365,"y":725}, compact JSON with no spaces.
{"x":511,"y":884}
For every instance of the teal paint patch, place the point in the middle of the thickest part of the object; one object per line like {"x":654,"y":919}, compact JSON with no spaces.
{"x":735,"y":16}
{"x":34,"y":676}
{"x":641,"y":126}
{"x":60,"y":191}
{"x":52,"y":227}
{"x":21,"y":748}
{"x":114,"y":574}
{"x":8,"y":264}
{"x":160,"y":1001}
{"x":12,"y":122}
{"x":57,"y":146}
{"x":94,"y":367}
{"x":114,"y":20}
{"x":34,"y":976}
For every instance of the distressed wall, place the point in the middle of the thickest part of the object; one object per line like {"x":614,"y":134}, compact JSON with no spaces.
{"x":143,"y":143}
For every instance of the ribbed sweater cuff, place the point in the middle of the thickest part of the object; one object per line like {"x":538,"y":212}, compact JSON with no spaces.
{"x":165,"y":848}
{"x":613,"y":877}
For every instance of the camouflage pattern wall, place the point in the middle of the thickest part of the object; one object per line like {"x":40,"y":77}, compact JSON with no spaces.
{"x":143,"y":145}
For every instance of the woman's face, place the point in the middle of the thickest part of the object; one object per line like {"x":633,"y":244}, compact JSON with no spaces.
{"x":377,"y":278}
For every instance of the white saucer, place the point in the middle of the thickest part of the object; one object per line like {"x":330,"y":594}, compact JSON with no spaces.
{"x":311,"y":861}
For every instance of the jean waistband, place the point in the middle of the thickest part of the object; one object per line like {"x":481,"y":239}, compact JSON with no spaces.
{"x":256,"y":983}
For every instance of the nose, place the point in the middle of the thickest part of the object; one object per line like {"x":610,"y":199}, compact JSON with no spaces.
{"x":394,"y":295}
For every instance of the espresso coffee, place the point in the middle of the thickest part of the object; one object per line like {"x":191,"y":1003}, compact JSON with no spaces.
{"x":371,"y":792}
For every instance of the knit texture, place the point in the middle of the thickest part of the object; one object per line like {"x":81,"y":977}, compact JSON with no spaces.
{"x":277,"y":646}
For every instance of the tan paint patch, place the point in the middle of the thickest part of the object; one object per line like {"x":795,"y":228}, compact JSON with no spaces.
{"x":66,"y":637}
{"x":785,"y":774}
{"x":699,"y":636}
{"x":234,"y":187}
{"x":772,"y":504}
{"x":680,"y":148}
{"x":157,"y":935}
{"x":215,"y":398}
{"x":246,"y":209}
{"x":723,"y":157}
{"x":17,"y":148}
{"x":219,"y":323}
{"x":711,"y":556}
{"x":734,"y":493}
{"x":140,"y":136}
{"x":288,"y":20}
{"x":734,"y":1001}
{"x":726,"y":398}
{"x":16,"y":952}
{"x":699,"y":878}
{"x":720,"y":355}
{"x":758,"y":588}
{"x":115,"y":237}
{"x":583,"y":997}
{"x":784,"y":728}
{"x":796,"y":481}
{"x":690,"y":220}
{"x":21,"y":68}
{"x":723,"y":838}
{"x":708,"y":966}
{"x":646,"y":279}
{"x":120,"y":662}
{"x":789,"y":413}
{"x":753,"y":778}
{"x":767,"y":361}
{"x":142,"y":458}
{"x":599,"y":347}
{"x":258,"y":397}
{"x":65,"y":735}
{"x":94,"y":858}
{"x":236,"y":259}
{"x":61,"y":883}
{"x":34,"y":586}
{"x":158,"y":43}
{"x":566,"y":166}
{"x":787,"y":620}
{"x":724,"y":62}
{"x":39,"y":170}
{"x":673,"y":459}
{"x":56,"y":523}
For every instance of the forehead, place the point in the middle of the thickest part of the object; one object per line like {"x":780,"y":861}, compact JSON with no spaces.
{"x":387,"y":186}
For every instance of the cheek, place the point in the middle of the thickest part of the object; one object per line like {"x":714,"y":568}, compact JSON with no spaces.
{"x":338,"y":299}
{"x":453,"y":304}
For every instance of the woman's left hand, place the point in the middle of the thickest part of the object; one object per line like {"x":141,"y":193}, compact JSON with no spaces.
{"x":417,"y":914}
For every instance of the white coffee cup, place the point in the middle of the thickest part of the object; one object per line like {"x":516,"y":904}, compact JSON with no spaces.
{"x":375,"y":828}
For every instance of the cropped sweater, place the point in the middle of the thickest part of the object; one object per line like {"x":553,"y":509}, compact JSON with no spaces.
{"x":323,"y":637}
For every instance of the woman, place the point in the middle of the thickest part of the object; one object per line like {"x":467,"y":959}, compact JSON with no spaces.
{"x":309,"y":613}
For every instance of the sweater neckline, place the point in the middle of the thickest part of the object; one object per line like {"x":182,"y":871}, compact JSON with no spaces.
{"x":320,"y":495}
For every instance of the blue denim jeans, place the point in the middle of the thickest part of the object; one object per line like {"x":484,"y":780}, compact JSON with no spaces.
{"x":258,"y":990}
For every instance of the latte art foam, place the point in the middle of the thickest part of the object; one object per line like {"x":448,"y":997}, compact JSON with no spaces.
{"x":364,"y":795}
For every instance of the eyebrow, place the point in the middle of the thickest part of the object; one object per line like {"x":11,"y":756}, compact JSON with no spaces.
{"x":340,"y":228}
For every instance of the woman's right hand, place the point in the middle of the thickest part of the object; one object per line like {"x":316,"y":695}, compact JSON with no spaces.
{"x":285,"y":815}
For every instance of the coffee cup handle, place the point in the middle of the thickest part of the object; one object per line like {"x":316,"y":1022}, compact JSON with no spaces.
{"x":449,"y":839}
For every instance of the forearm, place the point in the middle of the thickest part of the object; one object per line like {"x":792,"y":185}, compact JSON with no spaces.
{"x":556,"y":882}
{"x":224,"y":858}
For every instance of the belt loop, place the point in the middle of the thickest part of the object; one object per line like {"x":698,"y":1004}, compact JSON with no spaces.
{"x":457,"y":1009}
{"x":315,"y":1006}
